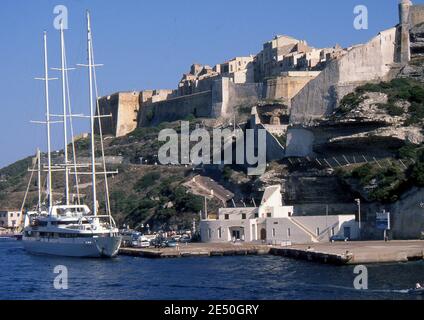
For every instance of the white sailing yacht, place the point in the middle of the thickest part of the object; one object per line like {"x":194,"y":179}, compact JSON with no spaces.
{"x":72,"y":229}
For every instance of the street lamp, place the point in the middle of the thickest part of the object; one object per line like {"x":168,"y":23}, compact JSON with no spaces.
{"x":358,"y":202}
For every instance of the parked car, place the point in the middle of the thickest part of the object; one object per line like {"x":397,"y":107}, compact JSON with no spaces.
{"x":339,"y":238}
{"x":171,"y":243}
{"x":176,"y":238}
{"x":141,"y":243}
{"x":185,"y":239}
{"x":159,"y":243}
{"x":128,"y":236}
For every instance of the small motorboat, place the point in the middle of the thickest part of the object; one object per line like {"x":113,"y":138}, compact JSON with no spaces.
{"x":417,"y":291}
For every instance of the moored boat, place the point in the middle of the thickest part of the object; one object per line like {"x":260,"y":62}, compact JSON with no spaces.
{"x":69,"y":229}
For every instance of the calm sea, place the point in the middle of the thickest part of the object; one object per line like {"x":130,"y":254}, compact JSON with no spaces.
{"x":25,"y":276}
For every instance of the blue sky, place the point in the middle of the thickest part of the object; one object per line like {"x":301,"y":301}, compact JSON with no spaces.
{"x":148,"y":45}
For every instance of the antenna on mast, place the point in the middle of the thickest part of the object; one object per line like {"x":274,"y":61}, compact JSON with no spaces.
{"x":39,"y":178}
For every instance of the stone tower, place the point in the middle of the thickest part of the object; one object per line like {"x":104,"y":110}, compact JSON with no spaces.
{"x":404,"y":27}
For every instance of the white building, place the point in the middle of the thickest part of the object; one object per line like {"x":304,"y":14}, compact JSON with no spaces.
{"x":10,"y":219}
{"x":274,"y":223}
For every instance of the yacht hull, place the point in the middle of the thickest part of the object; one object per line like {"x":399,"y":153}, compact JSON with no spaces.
{"x":101,"y":247}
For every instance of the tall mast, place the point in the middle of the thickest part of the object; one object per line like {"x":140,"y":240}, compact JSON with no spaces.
{"x":90,"y":76}
{"x":65,"y":119}
{"x":49,"y":156}
{"x":39,"y":178}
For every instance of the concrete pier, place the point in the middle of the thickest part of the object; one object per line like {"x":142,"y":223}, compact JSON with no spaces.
{"x":198,"y":250}
{"x":339,"y":253}
{"x":353,"y":253}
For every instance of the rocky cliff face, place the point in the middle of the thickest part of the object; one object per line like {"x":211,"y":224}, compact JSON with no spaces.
{"x":378,"y":119}
{"x":370,"y":124}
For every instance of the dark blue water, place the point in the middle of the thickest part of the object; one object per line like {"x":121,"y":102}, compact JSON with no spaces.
{"x":25,"y":276}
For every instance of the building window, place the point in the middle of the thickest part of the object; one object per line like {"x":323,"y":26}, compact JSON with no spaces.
{"x":209,"y":233}
{"x":227,"y":217}
{"x":317,"y":231}
{"x":333,"y":232}
{"x":257,"y":215}
{"x":220,"y":233}
{"x":269,"y":215}
{"x":273,"y":232}
{"x":288,"y":232}
{"x":243,"y":216}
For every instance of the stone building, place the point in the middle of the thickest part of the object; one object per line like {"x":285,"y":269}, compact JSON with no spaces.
{"x":270,"y":61}
{"x":239,"y":69}
{"x":199,"y":79}
{"x":10,"y":219}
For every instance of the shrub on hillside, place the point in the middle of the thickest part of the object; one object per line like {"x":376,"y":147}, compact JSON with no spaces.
{"x":146,"y":181}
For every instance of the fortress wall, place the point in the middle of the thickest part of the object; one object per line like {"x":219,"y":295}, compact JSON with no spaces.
{"x":286,"y":87}
{"x":108,"y":105}
{"x":240,"y":94}
{"x":219,"y":97}
{"x":227,"y":95}
{"x":127,"y":114}
{"x":123,"y":107}
{"x":365,"y":63}
{"x":416,"y":15}
{"x":198,"y":104}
